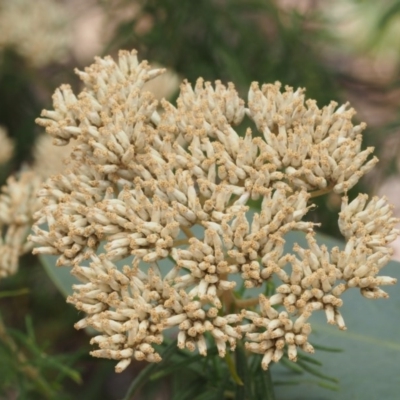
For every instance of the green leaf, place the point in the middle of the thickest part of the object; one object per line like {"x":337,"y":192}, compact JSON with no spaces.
{"x":303,"y":358}
{"x":296,"y":368}
{"x":242,"y":387}
{"x":316,"y":371}
{"x":190,"y":392}
{"x":232,"y":369}
{"x":323,"y":384}
{"x":13,"y":293}
{"x":181,"y":364}
{"x":265,"y":388}
{"x":327,"y":348}
{"x":219,"y":394}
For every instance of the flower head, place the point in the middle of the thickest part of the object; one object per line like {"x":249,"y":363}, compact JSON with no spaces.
{"x":140,"y":179}
{"x":36,"y":30}
{"x":18,"y":202}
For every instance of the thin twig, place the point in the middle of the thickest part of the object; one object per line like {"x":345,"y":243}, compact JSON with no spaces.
{"x":227,"y":298}
{"x":180,"y":242}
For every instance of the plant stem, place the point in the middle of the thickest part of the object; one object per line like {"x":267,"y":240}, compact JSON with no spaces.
{"x":187,"y":231}
{"x":244,"y":303}
{"x":227,"y":298}
{"x":232,"y":304}
{"x":180,"y":242}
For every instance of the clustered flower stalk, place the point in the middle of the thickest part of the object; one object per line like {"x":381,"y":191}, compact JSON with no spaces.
{"x":143,"y":173}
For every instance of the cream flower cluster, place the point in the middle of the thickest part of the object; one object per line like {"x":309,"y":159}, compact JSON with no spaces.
{"x":37,"y":30}
{"x":141,"y":177}
{"x":18,"y":200}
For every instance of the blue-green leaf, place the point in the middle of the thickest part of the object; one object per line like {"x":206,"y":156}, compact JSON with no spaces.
{"x":368,"y":367}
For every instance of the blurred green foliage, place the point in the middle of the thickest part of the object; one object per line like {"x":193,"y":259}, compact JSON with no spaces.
{"x":235,"y":40}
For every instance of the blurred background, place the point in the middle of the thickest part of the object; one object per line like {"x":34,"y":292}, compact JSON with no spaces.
{"x":347,"y":50}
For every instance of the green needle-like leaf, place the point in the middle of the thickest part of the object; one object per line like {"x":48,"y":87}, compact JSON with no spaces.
{"x":13,"y":293}
{"x":316,"y":372}
{"x":242,"y":388}
{"x":296,"y":368}
{"x":232,"y":369}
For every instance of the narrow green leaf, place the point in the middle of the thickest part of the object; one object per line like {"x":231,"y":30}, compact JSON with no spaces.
{"x":309,"y":359}
{"x":323,"y":384}
{"x":255,"y":363}
{"x":185,"y":363}
{"x":268,"y":386}
{"x":242,"y":388}
{"x":289,"y":382}
{"x":190,"y":392}
{"x":327,"y":385}
{"x":222,"y":388}
{"x":326,"y":348}
{"x":14,"y":293}
{"x":291,"y":365}
{"x":59,"y":363}
{"x":29,"y":328}
{"x":232,"y":369}
{"x":269,"y":288}
{"x":316,"y":372}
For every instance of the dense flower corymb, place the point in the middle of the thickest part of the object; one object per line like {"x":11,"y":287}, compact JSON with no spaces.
{"x":142,"y":174}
